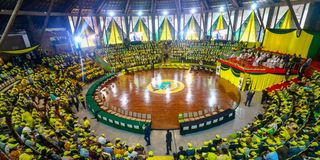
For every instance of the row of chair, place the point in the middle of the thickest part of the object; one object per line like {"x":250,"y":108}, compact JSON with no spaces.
{"x":203,"y":67}
{"x":193,"y":116}
{"x":176,"y":66}
{"x":7,"y":83}
{"x":119,"y":112}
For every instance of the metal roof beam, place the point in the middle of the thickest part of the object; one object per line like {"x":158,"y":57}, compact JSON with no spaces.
{"x":178,"y":6}
{"x":127,"y":7}
{"x":235,"y":3}
{"x":153,"y":5}
{"x":205,"y":4}
{"x":294,"y":16}
{"x":46,"y":21}
{"x":101,"y":6}
{"x":36,"y":13}
{"x":11,"y":21}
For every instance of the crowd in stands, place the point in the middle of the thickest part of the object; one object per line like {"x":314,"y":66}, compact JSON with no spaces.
{"x":38,"y":122}
{"x":267,"y":59}
{"x":120,"y":56}
{"x":289,"y":128}
{"x":77,"y":68}
{"x":206,"y":53}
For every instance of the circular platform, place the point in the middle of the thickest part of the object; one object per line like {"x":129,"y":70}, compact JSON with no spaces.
{"x":167,"y":92}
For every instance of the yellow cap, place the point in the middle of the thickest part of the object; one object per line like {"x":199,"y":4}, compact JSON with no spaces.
{"x":28,"y":150}
{"x":241,"y":150}
{"x":189,"y":145}
{"x":314,"y":144}
{"x":150,"y":153}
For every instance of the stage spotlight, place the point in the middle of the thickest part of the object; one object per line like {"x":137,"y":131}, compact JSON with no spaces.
{"x":254,"y":6}
{"x":111,"y":13}
{"x":165,"y":13}
{"x":77,"y":39}
{"x":193,"y":10}
{"x":221,"y":9}
{"x":140,"y":13}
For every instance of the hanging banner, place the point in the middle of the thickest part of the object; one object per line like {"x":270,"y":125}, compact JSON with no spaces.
{"x":21,"y":51}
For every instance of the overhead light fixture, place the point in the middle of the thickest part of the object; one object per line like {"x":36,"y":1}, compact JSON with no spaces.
{"x":193,"y":10}
{"x":78,"y":39}
{"x":165,"y":13}
{"x":221,"y":9}
{"x":253,"y":6}
{"x":111,"y":13}
{"x":140,"y":13}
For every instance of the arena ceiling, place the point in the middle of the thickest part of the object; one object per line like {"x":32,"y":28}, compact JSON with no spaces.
{"x":65,"y":7}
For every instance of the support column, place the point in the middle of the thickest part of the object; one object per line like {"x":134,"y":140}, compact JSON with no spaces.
{"x":100,"y":33}
{"x":46,"y":21}
{"x":31,"y":28}
{"x":126,"y":19}
{"x":260,"y":18}
{"x":270,"y":16}
{"x":235,"y":22}
{"x":205,"y":25}
{"x":294,"y":16}
{"x":153,"y":20}
{"x":10,"y":22}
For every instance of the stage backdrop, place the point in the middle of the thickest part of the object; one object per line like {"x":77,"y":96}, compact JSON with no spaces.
{"x":286,"y":41}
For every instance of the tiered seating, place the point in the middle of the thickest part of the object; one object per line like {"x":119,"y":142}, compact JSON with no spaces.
{"x":38,"y":123}
{"x":196,"y":52}
{"x":10,"y":74}
{"x":90,"y":71}
{"x":288,"y":128}
{"x":137,"y":55}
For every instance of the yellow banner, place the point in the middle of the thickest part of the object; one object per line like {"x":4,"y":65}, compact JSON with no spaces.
{"x":21,"y":51}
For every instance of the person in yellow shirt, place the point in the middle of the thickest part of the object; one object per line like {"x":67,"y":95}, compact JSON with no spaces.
{"x":86,"y":124}
{"x":81,"y":99}
{"x":27,"y":155}
{"x":151,"y":156}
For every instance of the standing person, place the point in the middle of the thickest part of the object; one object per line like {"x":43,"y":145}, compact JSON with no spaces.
{"x":75,"y":102}
{"x":250,"y":95}
{"x":264,"y":96}
{"x":248,"y":83}
{"x":288,"y":73}
{"x":86,"y":124}
{"x":147,"y":133}
{"x":168,"y":141}
{"x":304,"y":67}
{"x":81,"y":99}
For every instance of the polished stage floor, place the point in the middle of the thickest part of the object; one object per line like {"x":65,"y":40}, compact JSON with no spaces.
{"x":167,"y":92}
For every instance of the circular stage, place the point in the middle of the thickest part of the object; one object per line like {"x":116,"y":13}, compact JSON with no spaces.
{"x":167,"y":92}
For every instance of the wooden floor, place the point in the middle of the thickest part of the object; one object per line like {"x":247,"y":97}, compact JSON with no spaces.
{"x":202,"y":90}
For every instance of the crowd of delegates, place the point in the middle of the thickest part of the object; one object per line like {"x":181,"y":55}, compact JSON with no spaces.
{"x":38,"y":120}
{"x":289,"y":128}
{"x":121,"y":56}
{"x":195,"y":52}
{"x":267,"y":59}
{"x":82,"y":69}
